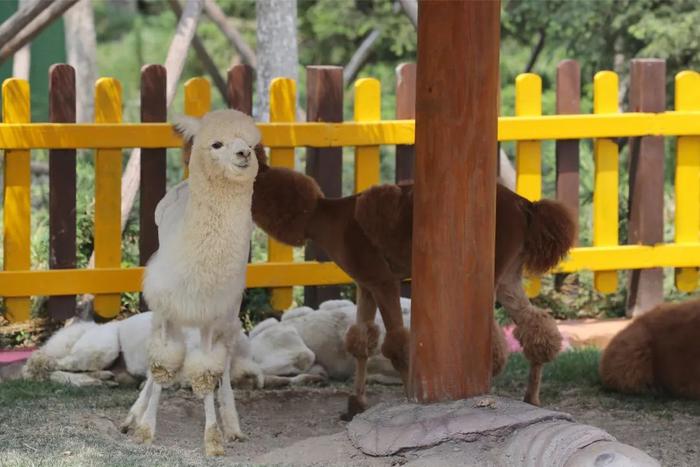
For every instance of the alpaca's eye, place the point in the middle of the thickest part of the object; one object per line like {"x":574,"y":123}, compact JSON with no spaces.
{"x":217,"y":145}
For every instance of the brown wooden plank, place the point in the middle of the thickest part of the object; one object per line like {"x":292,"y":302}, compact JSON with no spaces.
{"x":153,"y":163}
{"x":62,"y":186}
{"x":240,"y":88}
{"x":567,"y":151}
{"x":324,"y":103}
{"x":240,"y":97}
{"x":646,"y":183}
{"x":454,"y":200}
{"x":405,"y":109}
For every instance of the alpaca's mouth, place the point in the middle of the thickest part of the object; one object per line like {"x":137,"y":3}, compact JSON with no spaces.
{"x":241,"y":165}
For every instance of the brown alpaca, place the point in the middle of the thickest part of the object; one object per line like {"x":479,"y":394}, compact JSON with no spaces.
{"x":659,"y":351}
{"x":368,"y":235}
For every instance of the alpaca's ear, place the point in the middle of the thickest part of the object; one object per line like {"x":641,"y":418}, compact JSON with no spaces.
{"x":187,"y":126}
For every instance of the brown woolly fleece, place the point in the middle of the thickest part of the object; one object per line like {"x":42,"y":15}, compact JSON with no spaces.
{"x":659,"y":351}
{"x":368,"y":235}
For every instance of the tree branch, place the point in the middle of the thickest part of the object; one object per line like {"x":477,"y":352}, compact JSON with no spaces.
{"x":202,"y":54}
{"x":216,"y":14}
{"x":38,"y":24}
{"x":26,"y":13}
{"x":536,"y":51}
{"x":410,"y":7}
{"x":360,"y":57}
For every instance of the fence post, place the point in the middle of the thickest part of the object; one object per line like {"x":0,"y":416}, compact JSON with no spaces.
{"x":606,"y":178}
{"x":454,"y":200}
{"x":367,"y":107}
{"x":17,"y":201}
{"x":62,"y":179}
{"x":153,"y":163}
{"x":567,"y":151}
{"x":240,"y":88}
{"x":405,"y":110}
{"x":197,"y":101}
{"x":282,"y":109}
{"x":324,"y":103}
{"x":528,"y":154}
{"x":687,"y":176}
{"x":108,"y":175}
{"x":646,"y":183}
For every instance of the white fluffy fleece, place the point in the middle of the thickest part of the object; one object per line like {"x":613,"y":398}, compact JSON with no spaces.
{"x":198,"y":273}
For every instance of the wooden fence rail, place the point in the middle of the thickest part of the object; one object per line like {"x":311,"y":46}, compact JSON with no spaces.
{"x":324,"y":134}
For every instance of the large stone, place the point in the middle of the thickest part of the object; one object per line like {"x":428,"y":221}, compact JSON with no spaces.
{"x":385,"y":430}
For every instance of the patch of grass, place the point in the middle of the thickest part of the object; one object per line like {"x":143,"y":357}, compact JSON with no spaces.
{"x":20,"y":392}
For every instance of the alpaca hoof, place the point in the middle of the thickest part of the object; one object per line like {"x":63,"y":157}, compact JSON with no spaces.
{"x":126,"y":426}
{"x":213,"y":441}
{"x":355,"y":405}
{"x":143,"y":435}
{"x":235,"y":436}
{"x":532,"y":400}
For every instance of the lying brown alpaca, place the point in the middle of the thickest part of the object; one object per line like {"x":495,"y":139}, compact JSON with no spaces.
{"x":368,"y":235}
{"x":659,"y":351}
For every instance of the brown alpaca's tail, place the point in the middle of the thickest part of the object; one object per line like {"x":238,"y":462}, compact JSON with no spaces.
{"x":551,"y":234}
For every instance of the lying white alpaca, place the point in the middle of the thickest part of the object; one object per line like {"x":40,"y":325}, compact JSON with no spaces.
{"x":197,"y":276}
{"x":82,"y":354}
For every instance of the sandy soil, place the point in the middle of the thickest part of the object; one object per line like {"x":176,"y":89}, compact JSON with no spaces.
{"x":82,"y":430}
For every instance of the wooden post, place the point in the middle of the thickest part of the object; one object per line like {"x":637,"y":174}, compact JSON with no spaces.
{"x":240,"y":88}
{"x":62,"y":177}
{"x":153,"y":163}
{"x":646,"y":183}
{"x":405,"y":110}
{"x":324,"y":103}
{"x":567,"y":151}
{"x":455,"y":199}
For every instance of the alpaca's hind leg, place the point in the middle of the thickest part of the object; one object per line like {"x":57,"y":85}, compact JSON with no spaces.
{"x":361,"y":341}
{"x":146,"y":428}
{"x":536,"y":330}
{"x":395,"y":346}
{"x":137,"y":410}
{"x":227,"y":406}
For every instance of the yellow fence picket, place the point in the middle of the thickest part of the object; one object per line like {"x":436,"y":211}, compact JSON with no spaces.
{"x":367,"y":108}
{"x":606,"y":178}
{"x":687,"y":177}
{"x":197,"y":101}
{"x":283,"y":93}
{"x":17,"y":202}
{"x":108,"y":171}
{"x":528,"y":154}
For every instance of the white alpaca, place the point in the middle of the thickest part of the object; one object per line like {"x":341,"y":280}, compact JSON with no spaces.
{"x":197,"y":276}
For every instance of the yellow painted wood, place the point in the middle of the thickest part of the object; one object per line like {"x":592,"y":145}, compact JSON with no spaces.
{"x":528,"y":154}
{"x":367,"y":108}
{"x":17,"y":196}
{"x":108,"y":171}
{"x":197,"y":102}
{"x":606,"y":178}
{"x":319,"y":134}
{"x":285,"y":274}
{"x":282,"y":109}
{"x":687,"y":185}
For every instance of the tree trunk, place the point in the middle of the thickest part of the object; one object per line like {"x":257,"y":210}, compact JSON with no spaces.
{"x":21,"y":62}
{"x":81,"y":50}
{"x":277,"y":47}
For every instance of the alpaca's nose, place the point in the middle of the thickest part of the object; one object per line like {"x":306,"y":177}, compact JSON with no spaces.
{"x":244,"y":154}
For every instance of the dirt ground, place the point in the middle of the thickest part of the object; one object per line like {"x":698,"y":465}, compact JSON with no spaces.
{"x":47,"y":424}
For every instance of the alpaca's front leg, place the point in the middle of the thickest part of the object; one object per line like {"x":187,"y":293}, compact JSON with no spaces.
{"x":204,"y":368}
{"x":227,"y":406}
{"x":146,"y":428}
